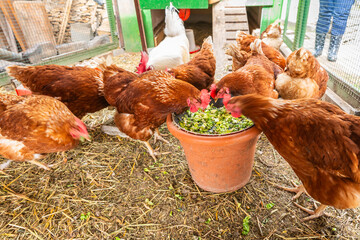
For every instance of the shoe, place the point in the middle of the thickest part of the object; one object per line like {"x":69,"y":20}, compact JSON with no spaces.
{"x":319,"y":44}
{"x":334,"y":47}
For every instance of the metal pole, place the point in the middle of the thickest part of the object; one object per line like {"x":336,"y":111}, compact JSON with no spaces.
{"x":141,"y":25}
{"x":110,"y":11}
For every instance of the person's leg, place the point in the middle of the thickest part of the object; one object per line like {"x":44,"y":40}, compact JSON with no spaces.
{"x":322,"y":25}
{"x":340,"y":17}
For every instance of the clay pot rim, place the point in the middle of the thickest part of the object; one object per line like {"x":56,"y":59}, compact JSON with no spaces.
{"x":170,"y":122}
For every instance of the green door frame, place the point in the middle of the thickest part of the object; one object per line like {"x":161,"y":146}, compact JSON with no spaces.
{"x":300,"y":27}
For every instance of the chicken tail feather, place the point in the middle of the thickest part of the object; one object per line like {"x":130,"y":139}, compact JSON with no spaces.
{"x":16,"y":71}
{"x":256,"y":46}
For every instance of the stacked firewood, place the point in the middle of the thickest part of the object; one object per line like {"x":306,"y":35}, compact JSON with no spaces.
{"x":82,"y":11}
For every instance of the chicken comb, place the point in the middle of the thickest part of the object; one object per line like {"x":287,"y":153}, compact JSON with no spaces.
{"x":22,"y":91}
{"x":143,"y":61}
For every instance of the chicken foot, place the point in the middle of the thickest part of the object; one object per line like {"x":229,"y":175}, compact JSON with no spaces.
{"x":158,"y":136}
{"x":319,"y":211}
{"x":152,"y":152}
{"x":297,"y":189}
{"x":40,"y":164}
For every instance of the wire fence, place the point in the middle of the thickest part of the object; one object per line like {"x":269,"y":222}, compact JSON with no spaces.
{"x":42,"y":32}
{"x":328,"y":21}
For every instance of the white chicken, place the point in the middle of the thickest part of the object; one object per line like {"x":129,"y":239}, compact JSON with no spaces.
{"x":173,"y":50}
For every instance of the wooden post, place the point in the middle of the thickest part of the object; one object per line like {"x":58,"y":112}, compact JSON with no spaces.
{"x":118,"y":23}
{"x":141,"y":25}
{"x":9,"y":12}
{"x":64,"y":23}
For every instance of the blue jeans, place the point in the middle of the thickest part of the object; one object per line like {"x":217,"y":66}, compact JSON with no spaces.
{"x":339,"y":10}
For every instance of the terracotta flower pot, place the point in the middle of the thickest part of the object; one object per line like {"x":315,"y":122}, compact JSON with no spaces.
{"x":218,"y":163}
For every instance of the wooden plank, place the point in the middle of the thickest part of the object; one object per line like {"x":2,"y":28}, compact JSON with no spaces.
{"x":218,"y":37}
{"x":3,"y":42}
{"x":212,"y":1}
{"x":7,"y":34}
{"x":162,"y":4}
{"x":34,"y":22}
{"x":235,"y":11}
{"x":11,"y":17}
{"x":140,"y":25}
{"x":159,"y":37}
{"x":229,"y":16}
{"x":243,"y":26}
{"x":236,"y":18}
{"x":262,"y":3}
{"x":233,"y":40}
{"x":230,"y":34}
{"x":235,"y":3}
{"x":270,"y":14}
{"x":64,"y":22}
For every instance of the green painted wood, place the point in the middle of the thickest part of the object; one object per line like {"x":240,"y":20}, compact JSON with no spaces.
{"x":288,"y":42}
{"x":111,"y":17}
{"x":301,"y":21}
{"x":270,"y":14}
{"x":300,"y":26}
{"x":343,"y":90}
{"x":131,"y":33}
{"x":286,"y":21}
{"x":146,"y":14}
{"x":79,"y":55}
{"x":67,"y":59}
{"x":162,"y":4}
{"x":4,"y":79}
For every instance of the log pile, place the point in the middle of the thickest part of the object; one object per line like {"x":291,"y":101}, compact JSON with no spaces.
{"x":82,"y":11}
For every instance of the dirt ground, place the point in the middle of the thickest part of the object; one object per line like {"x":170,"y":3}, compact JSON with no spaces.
{"x":110,"y":188}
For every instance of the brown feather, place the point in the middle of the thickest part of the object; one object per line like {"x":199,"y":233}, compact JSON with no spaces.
{"x":319,"y":141}
{"x":79,"y":88}
{"x":40,"y":124}
{"x":144,"y":101}
{"x":200,"y":70}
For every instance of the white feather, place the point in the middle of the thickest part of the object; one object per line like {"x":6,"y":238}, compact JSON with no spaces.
{"x":5,"y":165}
{"x":174,"y":49}
{"x":113,"y":130}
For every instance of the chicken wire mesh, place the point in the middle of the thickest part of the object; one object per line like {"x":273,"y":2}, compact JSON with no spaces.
{"x":331,"y":23}
{"x":39,"y":32}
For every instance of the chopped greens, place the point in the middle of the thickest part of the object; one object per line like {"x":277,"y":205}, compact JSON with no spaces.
{"x":213,"y":120}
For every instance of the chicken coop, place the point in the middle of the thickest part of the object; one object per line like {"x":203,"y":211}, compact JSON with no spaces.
{"x":221,"y":19}
{"x":54,"y":32}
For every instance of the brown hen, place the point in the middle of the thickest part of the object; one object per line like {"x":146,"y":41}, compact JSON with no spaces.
{"x":303,"y":78}
{"x":244,"y":40}
{"x":271,"y":36}
{"x":144,"y":101}
{"x":33,"y":125}
{"x":79,"y":88}
{"x":319,"y":141}
{"x":200,"y":71}
{"x":256,"y":76}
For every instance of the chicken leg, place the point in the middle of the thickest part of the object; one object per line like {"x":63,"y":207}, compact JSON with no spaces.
{"x":297,"y":189}
{"x":314,"y":214}
{"x":158,"y":136}
{"x":39,"y":164}
{"x":152,"y":152}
